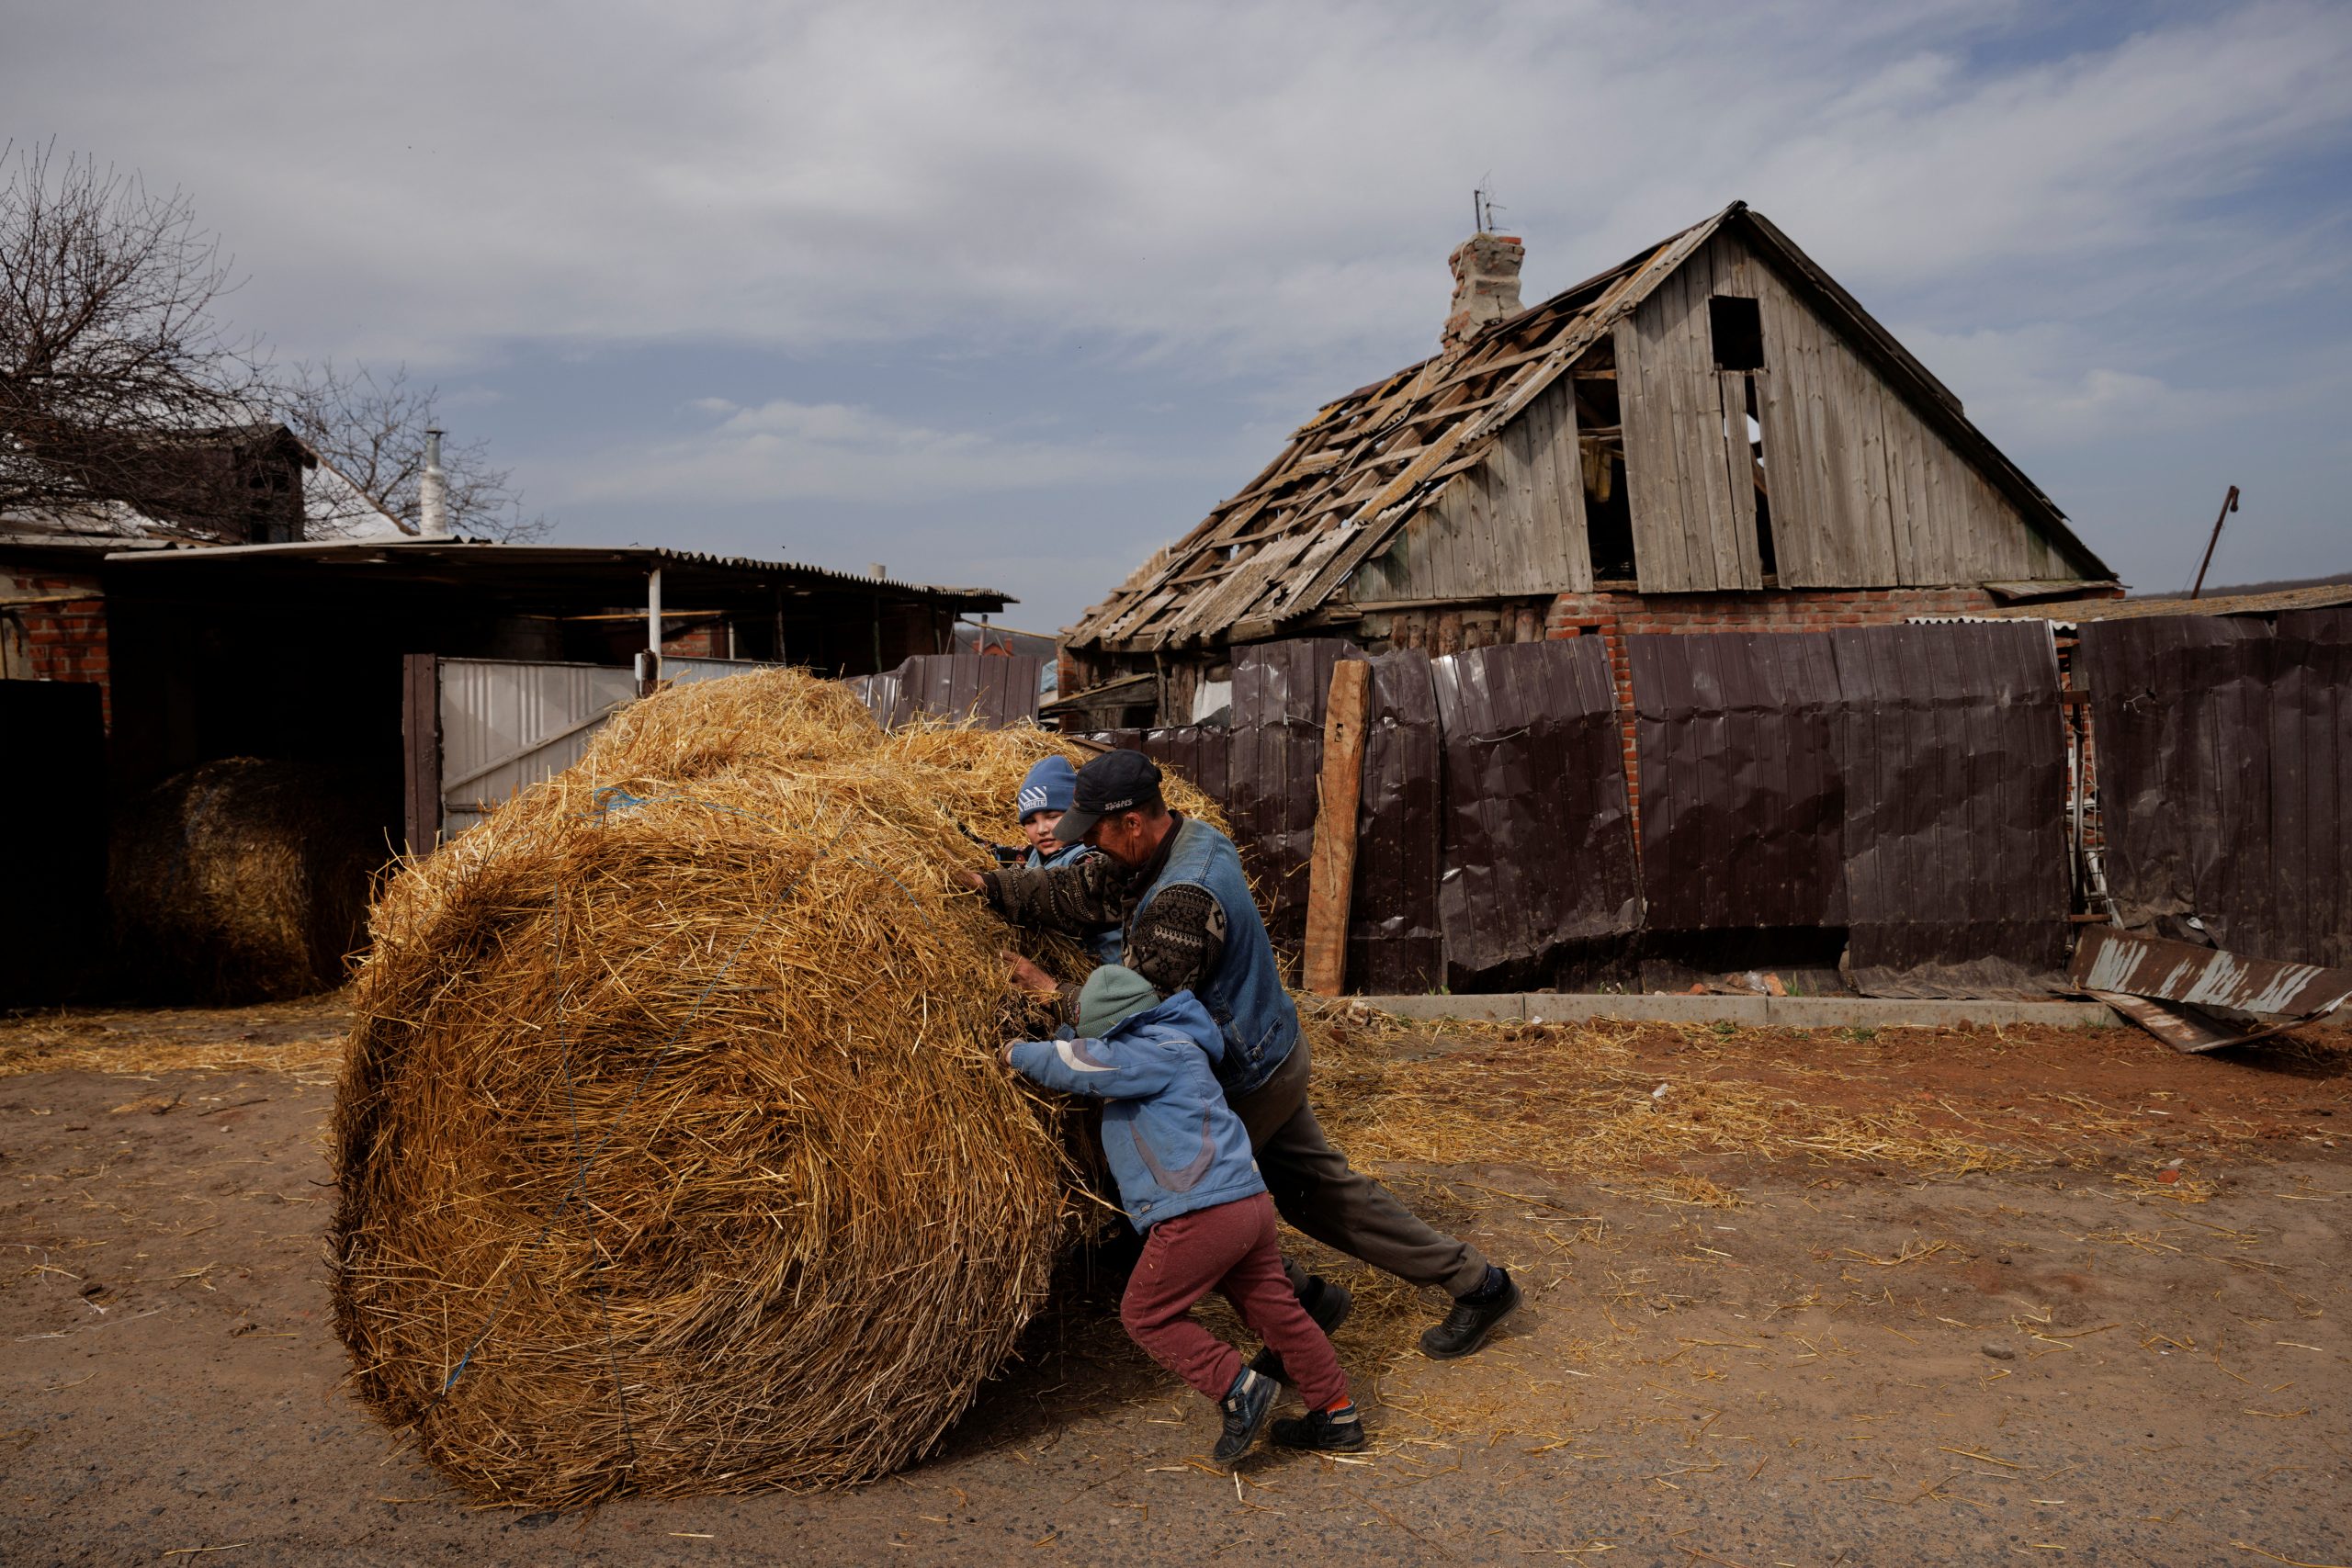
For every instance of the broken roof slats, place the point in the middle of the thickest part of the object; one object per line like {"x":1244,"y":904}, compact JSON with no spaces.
{"x":1373,"y":522}
{"x":1232,"y":599}
{"x":1457,"y":408}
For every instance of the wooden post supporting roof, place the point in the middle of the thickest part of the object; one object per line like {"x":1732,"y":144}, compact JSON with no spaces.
{"x":1331,"y":869}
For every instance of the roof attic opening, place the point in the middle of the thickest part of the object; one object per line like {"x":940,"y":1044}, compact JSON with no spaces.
{"x":1736,"y":326}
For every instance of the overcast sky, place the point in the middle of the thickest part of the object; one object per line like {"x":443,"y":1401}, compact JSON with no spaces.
{"x":1013,"y":293}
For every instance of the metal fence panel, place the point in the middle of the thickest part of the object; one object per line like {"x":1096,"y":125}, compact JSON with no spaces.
{"x":506,"y":723}
{"x":1954,"y":752}
{"x":1274,"y":772}
{"x":1743,"y":804}
{"x":1395,"y":933}
{"x":1904,"y":783}
{"x":996,"y":689}
{"x":1538,"y":850}
{"x":2225,"y":762}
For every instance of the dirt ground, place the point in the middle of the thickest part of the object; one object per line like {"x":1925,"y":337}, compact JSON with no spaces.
{"x":1827,"y":1298}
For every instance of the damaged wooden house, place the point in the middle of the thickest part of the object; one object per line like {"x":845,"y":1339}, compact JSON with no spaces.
{"x":1714,"y":435}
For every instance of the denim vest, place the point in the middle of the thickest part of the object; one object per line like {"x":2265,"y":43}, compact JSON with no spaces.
{"x":1110,"y":941}
{"x":1245,"y":996}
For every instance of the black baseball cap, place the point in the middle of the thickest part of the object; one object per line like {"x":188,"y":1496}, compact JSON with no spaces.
{"x":1113,"y":783}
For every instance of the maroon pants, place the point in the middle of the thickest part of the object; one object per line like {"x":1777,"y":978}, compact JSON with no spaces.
{"x":1230,"y":1250}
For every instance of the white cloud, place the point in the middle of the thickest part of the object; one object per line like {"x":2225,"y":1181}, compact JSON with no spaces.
{"x":2042,"y":385}
{"x":2077,"y":223}
{"x":1256,"y":184}
{"x":782,"y":451}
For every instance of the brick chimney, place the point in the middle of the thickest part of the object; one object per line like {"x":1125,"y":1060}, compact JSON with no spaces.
{"x":1485,"y":286}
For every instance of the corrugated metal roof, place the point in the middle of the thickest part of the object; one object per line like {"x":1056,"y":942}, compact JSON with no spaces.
{"x":540,"y":563}
{"x":2071,"y":613}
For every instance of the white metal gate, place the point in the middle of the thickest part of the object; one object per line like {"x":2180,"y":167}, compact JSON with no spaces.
{"x":506,"y":723}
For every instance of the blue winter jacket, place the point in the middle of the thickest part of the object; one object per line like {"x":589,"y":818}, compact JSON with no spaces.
{"x":1172,"y":1144}
{"x":1244,"y":993}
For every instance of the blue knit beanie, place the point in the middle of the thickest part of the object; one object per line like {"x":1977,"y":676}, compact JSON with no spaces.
{"x":1049,"y":787}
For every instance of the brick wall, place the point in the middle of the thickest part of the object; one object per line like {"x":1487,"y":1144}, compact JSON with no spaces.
{"x":53,"y":626}
{"x":1613,"y":616}
{"x":705,"y":640}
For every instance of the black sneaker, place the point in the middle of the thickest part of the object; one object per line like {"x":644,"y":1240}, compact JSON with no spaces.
{"x":1328,"y":1305}
{"x":1246,"y":1409}
{"x":1473,"y":1317}
{"x":1321,"y":1431}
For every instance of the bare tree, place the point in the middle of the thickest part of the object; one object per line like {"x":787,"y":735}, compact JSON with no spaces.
{"x":371,"y":428}
{"x":117,"y":382}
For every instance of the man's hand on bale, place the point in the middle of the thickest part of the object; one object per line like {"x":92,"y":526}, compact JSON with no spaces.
{"x":970,"y":881}
{"x":1027,"y":976}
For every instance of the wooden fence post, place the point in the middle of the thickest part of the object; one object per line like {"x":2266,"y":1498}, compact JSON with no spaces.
{"x":1331,"y":869}
{"x":421,"y":750}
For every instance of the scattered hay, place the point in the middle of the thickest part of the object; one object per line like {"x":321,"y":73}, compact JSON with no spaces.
{"x":673,"y":1155}
{"x":244,"y":880}
{"x":303,"y":1038}
{"x":1580,"y":1100}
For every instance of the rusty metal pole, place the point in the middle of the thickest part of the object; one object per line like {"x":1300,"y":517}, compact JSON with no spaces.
{"x":2229,"y":504}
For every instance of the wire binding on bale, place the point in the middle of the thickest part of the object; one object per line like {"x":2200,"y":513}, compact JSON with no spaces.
{"x":674,"y":1156}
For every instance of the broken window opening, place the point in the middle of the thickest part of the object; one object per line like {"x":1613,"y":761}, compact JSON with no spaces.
{"x":1607,"y":510}
{"x":1608,"y":517}
{"x":1765,"y":557}
{"x":1736,"y":326}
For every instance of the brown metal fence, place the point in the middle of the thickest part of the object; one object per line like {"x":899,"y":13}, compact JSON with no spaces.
{"x":1395,"y":938}
{"x":1907,"y":784}
{"x":2224,"y":761}
{"x":996,"y":689}
{"x":1276,"y":766}
{"x":1953,"y":746}
{"x":1743,"y":804}
{"x":1539,"y":851}
{"x":1900,"y":792}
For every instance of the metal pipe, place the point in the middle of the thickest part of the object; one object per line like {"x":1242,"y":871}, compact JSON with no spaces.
{"x":652,"y":675}
{"x":2229,"y":504}
{"x":433,"y":492}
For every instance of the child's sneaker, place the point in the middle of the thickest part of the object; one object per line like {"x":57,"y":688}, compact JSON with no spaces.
{"x":1246,"y":1405}
{"x":1322,"y":1431}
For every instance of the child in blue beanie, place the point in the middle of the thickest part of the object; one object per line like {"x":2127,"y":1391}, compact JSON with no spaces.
{"x":1046,"y":794}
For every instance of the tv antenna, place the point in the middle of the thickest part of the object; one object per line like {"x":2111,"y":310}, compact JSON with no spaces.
{"x":1483,"y":207}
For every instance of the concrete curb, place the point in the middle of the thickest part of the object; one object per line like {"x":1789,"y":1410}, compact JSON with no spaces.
{"x":1753,"y":1012}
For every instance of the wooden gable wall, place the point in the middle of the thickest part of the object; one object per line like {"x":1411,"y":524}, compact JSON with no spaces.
{"x":1863,"y":491}
{"x":1511,"y":525}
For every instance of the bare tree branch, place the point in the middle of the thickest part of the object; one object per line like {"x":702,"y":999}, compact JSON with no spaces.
{"x":118,"y":386}
{"x":371,"y":427}
{"x":117,"y":383}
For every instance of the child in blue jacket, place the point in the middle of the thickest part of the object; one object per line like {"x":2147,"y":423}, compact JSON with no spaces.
{"x":1047,"y":791}
{"x":1182,"y":1159}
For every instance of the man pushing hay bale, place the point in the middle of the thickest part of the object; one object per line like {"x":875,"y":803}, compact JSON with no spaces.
{"x":672,"y":1154}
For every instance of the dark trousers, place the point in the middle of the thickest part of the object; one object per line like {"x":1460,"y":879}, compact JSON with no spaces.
{"x":1230,"y":1250}
{"x":1318,"y":1193}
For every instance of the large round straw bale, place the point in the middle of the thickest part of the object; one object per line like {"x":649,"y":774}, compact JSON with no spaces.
{"x":673,"y":1153}
{"x":242,"y":880}
{"x":777,"y":721}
